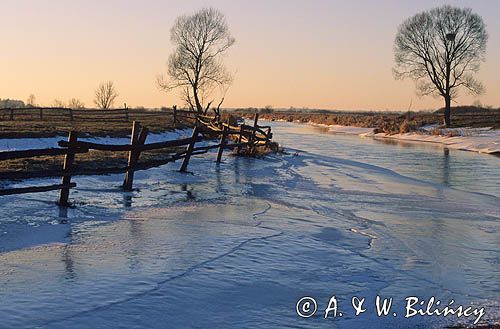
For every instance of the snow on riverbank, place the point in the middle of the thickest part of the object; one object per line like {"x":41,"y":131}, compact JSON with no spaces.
{"x":482,"y":140}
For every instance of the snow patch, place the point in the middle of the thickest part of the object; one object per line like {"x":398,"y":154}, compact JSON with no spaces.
{"x":482,"y":140}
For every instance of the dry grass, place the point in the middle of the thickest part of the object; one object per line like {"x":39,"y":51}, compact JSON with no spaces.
{"x":259,"y":151}
{"x":93,"y":125}
{"x":389,"y":123}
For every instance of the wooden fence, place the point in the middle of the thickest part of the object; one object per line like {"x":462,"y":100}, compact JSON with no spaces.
{"x":66,"y":114}
{"x":229,"y":137}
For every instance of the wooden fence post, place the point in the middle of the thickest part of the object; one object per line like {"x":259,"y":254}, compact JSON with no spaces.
{"x":138,"y":138}
{"x":238,"y":148}
{"x":41,"y":114}
{"x":11,"y":114}
{"x":268,"y":136}
{"x":70,"y":111}
{"x":189,"y":149}
{"x":125,"y":108}
{"x":175,"y":115}
{"x":69,"y":158}
{"x":251,"y":141}
{"x":222,"y":144}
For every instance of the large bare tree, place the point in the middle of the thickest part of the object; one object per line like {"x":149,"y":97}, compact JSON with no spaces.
{"x":195,"y":67}
{"x":105,"y":95}
{"x":441,"y":49}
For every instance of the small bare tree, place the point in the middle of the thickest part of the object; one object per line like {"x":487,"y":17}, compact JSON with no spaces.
{"x":195,"y":67}
{"x":105,"y":95}
{"x":58,"y":103}
{"x":440,"y":49}
{"x":76,"y":104}
{"x":31,"y":102}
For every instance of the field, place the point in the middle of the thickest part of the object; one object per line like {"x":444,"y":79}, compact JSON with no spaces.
{"x":29,"y":123}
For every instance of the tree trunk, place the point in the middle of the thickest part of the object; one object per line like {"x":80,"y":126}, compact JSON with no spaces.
{"x":199,"y":108}
{"x":447,"y":111}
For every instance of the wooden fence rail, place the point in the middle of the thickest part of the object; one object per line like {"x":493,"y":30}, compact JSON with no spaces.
{"x":115,"y":115}
{"x":242,"y":136}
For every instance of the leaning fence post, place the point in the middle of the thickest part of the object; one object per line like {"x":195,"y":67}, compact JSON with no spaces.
{"x":69,"y":158}
{"x":138,"y":138}
{"x":251,"y":141}
{"x":268,"y":136}
{"x":238,"y":148}
{"x":222,"y":144}
{"x":189,"y":150}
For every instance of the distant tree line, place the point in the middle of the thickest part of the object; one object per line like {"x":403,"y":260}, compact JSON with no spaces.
{"x":11,"y":103}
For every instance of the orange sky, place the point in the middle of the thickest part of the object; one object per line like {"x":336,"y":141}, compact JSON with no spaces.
{"x":309,"y":53}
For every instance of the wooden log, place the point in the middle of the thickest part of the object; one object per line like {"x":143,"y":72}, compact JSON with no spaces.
{"x":22,"y":154}
{"x":189,"y":150}
{"x":128,"y":147}
{"x":133,"y":157}
{"x":67,"y":167}
{"x":222,"y":144}
{"x":34,"y":189}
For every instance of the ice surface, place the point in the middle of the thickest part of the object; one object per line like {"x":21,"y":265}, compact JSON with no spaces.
{"x":237,"y":245}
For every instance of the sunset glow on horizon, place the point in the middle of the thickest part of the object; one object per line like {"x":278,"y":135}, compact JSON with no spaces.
{"x":315,"y":54}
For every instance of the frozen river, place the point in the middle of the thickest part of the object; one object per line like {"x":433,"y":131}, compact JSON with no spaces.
{"x":238,"y":245}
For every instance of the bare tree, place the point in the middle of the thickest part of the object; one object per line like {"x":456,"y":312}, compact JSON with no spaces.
{"x":105,"y":95}
{"x":31,"y":101}
{"x":440,"y":49}
{"x":58,"y":103}
{"x":75,"y":104}
{"x":195,"y":67}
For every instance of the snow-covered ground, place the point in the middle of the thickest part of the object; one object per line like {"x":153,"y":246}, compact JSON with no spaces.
{"x":237,"y":245}
{"x":13,"y":144}
{"x":483,"y":140}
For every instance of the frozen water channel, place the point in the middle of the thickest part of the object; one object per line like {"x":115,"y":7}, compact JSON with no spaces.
{"x":237,"y":245}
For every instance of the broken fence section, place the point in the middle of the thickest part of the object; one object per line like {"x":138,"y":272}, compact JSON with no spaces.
{"x":239,"y":137}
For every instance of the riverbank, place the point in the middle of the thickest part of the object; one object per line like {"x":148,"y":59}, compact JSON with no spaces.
{"x":473,"y":129}
{"x":481,"y":140}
